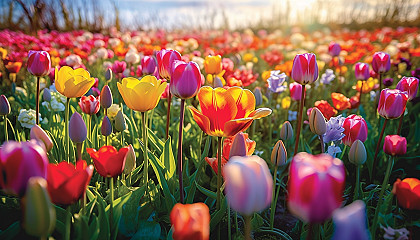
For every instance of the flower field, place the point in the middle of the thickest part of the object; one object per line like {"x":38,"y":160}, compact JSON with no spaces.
{"x":210,"y":134}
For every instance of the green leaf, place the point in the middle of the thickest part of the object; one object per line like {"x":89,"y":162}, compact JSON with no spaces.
{"x":129,"y":218}
{"x":206,"y":192}
{"x":11,"y":232}
{"x":148,"y":230}
{"x":117,"y":211}
{"x":218,"y":215}
{"x":168,"y":160}
{"x":80,"y":227}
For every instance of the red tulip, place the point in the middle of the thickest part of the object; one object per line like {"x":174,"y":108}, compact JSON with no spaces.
{"x":39,"y":63}
{"x":395,"y":145}
{"x":190,"y":221}
{"x":89,"y":105}
{"x":305,"y":68}
{"x":381,"y":62}
{"x":409,"y":85}
{"x":361,"y":70}
{"x":108,"y":161}
{"x":355,"y":128}
{"x":316,"y":185}
{"x":408,"y":193}
{"x":185,"y":79}
{"x":392,"y":103}
{"x":66,"y":183}
{"x":165,"y":59}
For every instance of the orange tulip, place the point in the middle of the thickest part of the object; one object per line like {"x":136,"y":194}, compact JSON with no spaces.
{"x":408,"y":193}
{"x":225,"y":112}
{"x":190,"y":221}
{"x":340,"y":102}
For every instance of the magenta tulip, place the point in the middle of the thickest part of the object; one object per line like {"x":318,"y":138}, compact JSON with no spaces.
{"x":305,"y":68}
{"x":381,"y":62}
{"x":165,"y":60}
{"x":316,"y":185}
{"x":395,"y":145}
{"x":295,"y":91}
{"x":409,"y":85}
{"x":334,"y":49}
{"x":392,"y":103}
{"x":185,"y":79}
{"x":19,"y":161}
{"x":361,"y":70}
{"x":39,"y":63}
{"x":148,"y":65}
{"x":355,"y":128}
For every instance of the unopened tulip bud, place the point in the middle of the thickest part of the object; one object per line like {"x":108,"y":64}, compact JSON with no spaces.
{"x":120,"y":124}
{"x":130,"y":160}
{"x":258,"y":96}
{"x":106,"y":97}
{"x":279,"y":154}
{"x":39,"y":212}
{"x":317,"y":122}
{"x":286,"y":131}
{"x":108,"y":74}
{"x":238,"y":147}
{"x":77,"y":128}
{"x":357,"y":153}
{"x":4,"y":106}
{"x":46,"y":95}
{"x":217,"y":82}
{"x":106,"y":128}
{"x":39,"y":134}
{"x":350,"y":222}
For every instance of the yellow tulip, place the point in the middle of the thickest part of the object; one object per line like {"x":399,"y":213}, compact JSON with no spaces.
{"x":285,"y":102}
{"x":141,"y":95}
{"x":213,"y":64}
{"x":73,"y":83}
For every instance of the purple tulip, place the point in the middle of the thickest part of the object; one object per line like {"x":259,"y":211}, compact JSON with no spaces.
{"x":361,"y":70}
{"x":77,"y":128}
{"x":388,"y":82}
{"x":106,"y":97}
{"x":239,"y":146}
{"x":334,"y":49}
{"x":39,"y":63}
{"x":4,"y":106}
{"x":148,"y":65}
{"x":381,"y":62}
{"x":350,"y":222}
{"x":305,"y":68}
{"x":106,"y":128}
{"x":19,"y":161}
{"x":185,"y":79}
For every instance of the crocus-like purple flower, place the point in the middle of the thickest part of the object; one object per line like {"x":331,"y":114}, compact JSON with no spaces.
{"x":77,"y":128}
{"x":327,"y":77}
{"x":185,"y":79}
{"x":334,"y":129}
{"x":276,"y":81}
{"x":350,"y":222}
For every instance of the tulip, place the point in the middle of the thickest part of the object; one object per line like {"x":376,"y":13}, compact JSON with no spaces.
{"x":408,"y":193}
{"x":279,"y":154}
{"x":130,"y":160}
{"x":120,"y":124}
{"x":148,"y":89}
{"x":148,"y":65}
{"x":258,"y":96}
{"x":39,"y":134}
{"x":39,"y":213}
{"x":4,"y":111}
{"x":350,"y":222}
{"x":295,"y":91}
{"x":213,"y":64}
{"x":108,"y":74}
{"x":13,"y":68}
{"x":19,"y":161}
{"x":361,"y":70}
{"x":305,"y":68}
{"x":46,"y":94}
{"x":317,"y":122}
{"x":334,"y":49}
{"x":108,"y":161}
{"x":89,"y":105}
{"x":355,"y":127}
{"x":357,"y":154}
{"x":165,"y":59}
{"x":73,"y":83}
{"x":106,"y":127}
{"x":409,"y":85}
{"x":106,"y":97}
{"x":395,"y":145}
{"x":387,"y":82}
{"x":185,"y":79}
{"x":316,"y":184}
{"x":77,"y":128}
{"x":39,"y":63}
{"x":119,"y":67}
{"x":67,"y":183}
{"x":381,"y":62}
{"x":190,"y":221}
{"x":286,"y":131}
{"x":340,"y":102}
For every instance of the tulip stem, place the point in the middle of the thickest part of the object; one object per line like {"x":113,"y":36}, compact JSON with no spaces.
{"x":219,"y":171}
{"x":270,"y":131}
{"x":321,"y":139}
{"x":247,"y":227}
{"x":146,"y":160}
{"x":381,"y":195}
{"x":229,"y":224}
{"x":106,"y":136}
{"x":78,"y":151}
{"x":66,"y":129}
{"x":378,"y":145}
{"x":6,"y":134}
{"x":310,"y":232}
{"x":37,"y":100}
{"x":89,"y":123}
{"x":274,"y":200}
{"x":168,"y":114}
{"x":356,"y":191}
{"x":360,"y":94}
{"x":400,"y":124}
{"x":111,"y":202}
{"x":299,"y":123}
{"x":179,"y":160}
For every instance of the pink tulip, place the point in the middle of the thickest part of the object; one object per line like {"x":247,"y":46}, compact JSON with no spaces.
{"x":392,"y":103}
{"x":39,"y":134}
{"x":334,"y":49}
{"x":381,"y":62}
{"x":295,"y":91}
{"x":19,"y":161}
{"x":185,"y":79}
{"x":355,"y":128}
{"x":39,"y":63}
{"x":305,"y":68}
{"x":316,"y":185}
{"x":89,"y":105}
{"x":249,"y":184}
{"x":395,"y":145}
{"x":409,"y":85}
{"x":165,"y":59}
{"x":361,"y":70}
{"x":148,"y":65}
{"x":119,"y":67}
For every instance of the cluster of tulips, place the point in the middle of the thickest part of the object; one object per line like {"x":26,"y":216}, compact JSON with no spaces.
{"x":310,"y":176}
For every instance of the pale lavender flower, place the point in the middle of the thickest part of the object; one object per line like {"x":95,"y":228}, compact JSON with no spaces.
{"x":372,"y":96}
{"x":398,"y":234}
{"x":333,"y":150}
{"x":334,"y":129}
{"x":327,"y":77}
{"x":276,"y":81}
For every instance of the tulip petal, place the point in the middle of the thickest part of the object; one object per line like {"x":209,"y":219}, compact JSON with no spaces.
{"x":245,"y":101}
{"x":202,"y":121}
{"x":232,"y":127}
{"x":260,"y":112}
